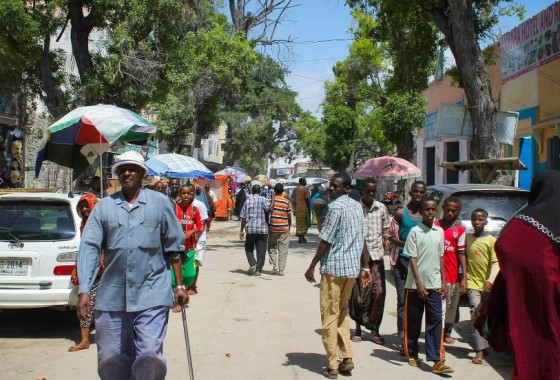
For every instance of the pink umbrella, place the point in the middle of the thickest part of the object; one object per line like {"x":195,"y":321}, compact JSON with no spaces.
{"x":387,"y":168}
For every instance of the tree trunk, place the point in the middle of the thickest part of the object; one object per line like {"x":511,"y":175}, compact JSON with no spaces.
{"x":79,"y":37}
{"x":405,"y":147}
{"x":457,"y":22}
{"x":53,"y":96}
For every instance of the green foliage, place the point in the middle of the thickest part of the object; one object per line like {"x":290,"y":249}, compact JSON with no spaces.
{"x":262,"y":117}
{"x":403,"y":112}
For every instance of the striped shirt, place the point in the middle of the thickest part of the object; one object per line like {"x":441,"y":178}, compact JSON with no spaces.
{"x":279,"y":215}
{"x":253,"y":212}
{"x":344,"y":230}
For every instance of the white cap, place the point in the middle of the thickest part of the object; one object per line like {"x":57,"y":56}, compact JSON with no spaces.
{"x":131,"y":158}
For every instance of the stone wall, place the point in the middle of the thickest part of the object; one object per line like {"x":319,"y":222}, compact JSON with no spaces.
{"x":52,"y":175}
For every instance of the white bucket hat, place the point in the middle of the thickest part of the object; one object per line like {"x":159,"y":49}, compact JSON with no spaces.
{"x":130,"y":158}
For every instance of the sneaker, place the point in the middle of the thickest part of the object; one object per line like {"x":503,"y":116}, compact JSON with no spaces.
{"x":414,"y":362}
{"x":401,"y":350}
{"x":280,"y":273}
{"x":251,"y":270}
{"x":257,"y":273}
{"x":440,"y":369}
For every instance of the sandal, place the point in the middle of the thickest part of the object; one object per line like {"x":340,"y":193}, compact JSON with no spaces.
{"x":345,"y":367}
{"x":357,"y":338}
{"x":327,"y":373}
{"x":476,"y":360}
{"x":449,"y":340}
{"x":441,"y":369}
{"x":378,"y":339}
{"x":414,"y":362}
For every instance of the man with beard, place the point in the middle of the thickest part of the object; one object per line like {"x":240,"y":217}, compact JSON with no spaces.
{"x":406,"y":218}
{"x":174,"y":189}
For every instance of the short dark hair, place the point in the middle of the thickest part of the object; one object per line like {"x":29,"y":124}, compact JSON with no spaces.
{"x":428,"y":199}
{"x":187,"y":185}
{"x":479,"y":210}
{"x":346,"y":180}
{"x":302,"y":181}
{"x":96,"y":177}
{"x":418,"y":183}
{"x":256,"y":189}
{"x":452,"y":199}
{"x":370,"y":180}
{"x":278,"y":189}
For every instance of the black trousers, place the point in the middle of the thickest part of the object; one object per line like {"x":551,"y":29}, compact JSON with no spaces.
{"x":259,"y":241}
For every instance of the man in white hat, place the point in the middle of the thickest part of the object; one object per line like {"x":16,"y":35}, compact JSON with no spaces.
{"x":140,"y":234}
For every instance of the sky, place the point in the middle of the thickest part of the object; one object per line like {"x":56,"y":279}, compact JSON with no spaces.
{"x":319,"y":29}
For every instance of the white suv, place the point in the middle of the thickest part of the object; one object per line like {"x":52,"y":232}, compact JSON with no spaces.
{"x":39,"y":241}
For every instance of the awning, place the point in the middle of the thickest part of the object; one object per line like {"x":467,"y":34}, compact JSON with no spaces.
{"x":485,"y":169}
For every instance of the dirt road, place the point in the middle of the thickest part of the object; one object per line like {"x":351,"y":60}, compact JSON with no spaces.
{"x":241,"y":327}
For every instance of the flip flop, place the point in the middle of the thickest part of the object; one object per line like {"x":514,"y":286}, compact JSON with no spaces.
{"x":378,"y":339}
{"x":356,"y":339}
{"x":477,"y":361}
{"x":449,"y":340}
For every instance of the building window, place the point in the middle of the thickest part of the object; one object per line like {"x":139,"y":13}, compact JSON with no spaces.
{"x":553,"y":153}
{"x":452,"y":155}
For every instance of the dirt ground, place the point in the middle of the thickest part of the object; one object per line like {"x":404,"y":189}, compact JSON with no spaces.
{"x":241,"y":327}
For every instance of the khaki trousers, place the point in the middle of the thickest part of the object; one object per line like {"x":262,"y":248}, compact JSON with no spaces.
{"x":278,"y":243}
{"x":334,"y":296}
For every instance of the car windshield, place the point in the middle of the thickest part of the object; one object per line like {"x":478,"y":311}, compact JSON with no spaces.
{"x":499,"y":205}
{"x":39,"y":220}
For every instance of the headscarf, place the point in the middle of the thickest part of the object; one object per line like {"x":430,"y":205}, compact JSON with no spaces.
{"x":91,"y":200}
{"x":543,"y":211}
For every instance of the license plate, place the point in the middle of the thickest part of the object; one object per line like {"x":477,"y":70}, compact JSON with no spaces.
{"x":13,"y":267}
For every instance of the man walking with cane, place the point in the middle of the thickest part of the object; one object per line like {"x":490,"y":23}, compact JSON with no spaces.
{"x":140,"y":234}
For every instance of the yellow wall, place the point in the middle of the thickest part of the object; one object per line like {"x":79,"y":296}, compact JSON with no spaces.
{"x":549,"y":90}
{"x":520,"y":93}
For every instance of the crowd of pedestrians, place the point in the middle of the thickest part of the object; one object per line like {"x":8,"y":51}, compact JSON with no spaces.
{"x":154,"y":244}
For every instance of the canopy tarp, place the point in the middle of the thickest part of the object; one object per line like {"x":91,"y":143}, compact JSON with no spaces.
{"x":486,"y":168}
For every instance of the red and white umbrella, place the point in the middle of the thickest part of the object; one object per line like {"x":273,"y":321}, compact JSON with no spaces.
{"x":390,"y":168}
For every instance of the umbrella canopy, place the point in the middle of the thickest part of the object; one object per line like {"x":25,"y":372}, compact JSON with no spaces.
{"x":310,"y":181}
{"x":386,"y":167}
{"x":239,"y":174}
{"x":173,"y":165}
{"x":86,"y":132}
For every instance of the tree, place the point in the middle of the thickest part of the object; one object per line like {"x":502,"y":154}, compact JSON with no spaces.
{"x":261,"y":117}
{"x":463,"y":23}
{"x":353,"y":95}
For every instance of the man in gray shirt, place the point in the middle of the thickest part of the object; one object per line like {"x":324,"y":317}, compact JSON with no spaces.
{"x":140,"y":234}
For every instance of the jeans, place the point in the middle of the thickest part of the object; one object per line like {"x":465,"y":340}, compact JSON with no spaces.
{"x":130,"y":344}
{"x":400,"y":272}
{"x":258,"y":241}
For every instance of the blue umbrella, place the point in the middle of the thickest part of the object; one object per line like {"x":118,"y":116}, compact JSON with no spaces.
{"x":174,"y":165}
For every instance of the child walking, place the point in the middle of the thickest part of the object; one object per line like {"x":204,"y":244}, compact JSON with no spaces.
{"x":482,"y":269}
{"x":425,"y":289}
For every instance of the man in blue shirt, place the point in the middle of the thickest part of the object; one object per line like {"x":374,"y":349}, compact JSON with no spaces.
{"x":340,"y":251}
{"x":140,"y":234}
{"x":253,"y":216}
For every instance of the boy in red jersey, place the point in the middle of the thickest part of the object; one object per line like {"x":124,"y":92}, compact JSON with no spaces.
{"x":189,"y":218}
{"x":454,"y":260}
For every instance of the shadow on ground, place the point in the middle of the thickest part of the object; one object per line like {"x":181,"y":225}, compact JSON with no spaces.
{"x":310,"y":361}
{"x":42,"y":323}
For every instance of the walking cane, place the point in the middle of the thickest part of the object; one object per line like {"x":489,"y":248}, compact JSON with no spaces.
{"x":187,"y":344}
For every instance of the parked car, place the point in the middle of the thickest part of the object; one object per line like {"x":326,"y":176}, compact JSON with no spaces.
{"x":501,"y":202}
{"x":39,"y":240}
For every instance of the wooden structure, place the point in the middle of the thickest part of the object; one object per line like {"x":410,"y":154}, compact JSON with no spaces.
{"x":485,"y":170}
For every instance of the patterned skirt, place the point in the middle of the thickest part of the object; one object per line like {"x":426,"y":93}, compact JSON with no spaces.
{"x":301,"y":223}
{"x":92,"y":296}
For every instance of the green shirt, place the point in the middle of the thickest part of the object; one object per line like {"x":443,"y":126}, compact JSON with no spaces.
{"x":480,"y":257}
{"x":426,"y":244}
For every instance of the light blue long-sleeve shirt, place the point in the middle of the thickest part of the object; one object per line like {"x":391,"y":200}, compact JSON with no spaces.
{"x":138,"y":241}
